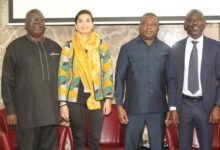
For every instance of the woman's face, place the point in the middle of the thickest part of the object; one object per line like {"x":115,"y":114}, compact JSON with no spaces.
{"x":84,"y":24}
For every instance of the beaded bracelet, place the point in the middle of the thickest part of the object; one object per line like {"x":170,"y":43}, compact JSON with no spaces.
{"x":64,"y":104}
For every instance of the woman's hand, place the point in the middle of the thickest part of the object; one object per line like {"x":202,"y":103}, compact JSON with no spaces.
{"x":64,"y":112}
{"x":107,"y":108}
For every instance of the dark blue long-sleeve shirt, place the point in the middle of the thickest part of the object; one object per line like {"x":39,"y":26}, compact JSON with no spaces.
{"x":140,"y":81}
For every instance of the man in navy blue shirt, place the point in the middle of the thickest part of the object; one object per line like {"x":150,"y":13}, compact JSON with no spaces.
{"x":140,"y":85}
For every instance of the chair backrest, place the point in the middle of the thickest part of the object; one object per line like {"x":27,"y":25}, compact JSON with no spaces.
{"x":172,"y":137}
{"x":112,"y":130}
{"x":70,"y":136}
{"x":3,"y":124}
{"x":4,"y":145}
{"x":216,"y":137}
{"x":11,"y":134}
{"x":61,"y":139}
{"x":10,"y":137}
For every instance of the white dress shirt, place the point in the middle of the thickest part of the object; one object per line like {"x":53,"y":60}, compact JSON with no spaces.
{"x":188,"y":50}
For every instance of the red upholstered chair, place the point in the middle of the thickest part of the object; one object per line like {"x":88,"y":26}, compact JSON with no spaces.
{"x":62,"y":134}
{"x":8,"y":133}
{"x":8,"y":136}
{"x":112,"y":136}
{"x":172,"y":137}
{"x":216,"y":138}
{"x":4,"y":144}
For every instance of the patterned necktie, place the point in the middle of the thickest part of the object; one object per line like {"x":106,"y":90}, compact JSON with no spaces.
{"x":193,"y":81}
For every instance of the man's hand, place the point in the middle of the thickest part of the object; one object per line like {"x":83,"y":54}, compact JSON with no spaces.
{"x":175,"y":117}
{"x":168,"y":120}
{"x":11,"y":120}
{"x":122,"y":115}
{"x":107,"y":108}
{"x":215,"y":115}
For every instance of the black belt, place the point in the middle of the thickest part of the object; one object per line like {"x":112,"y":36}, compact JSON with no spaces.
{"x":194,"y":99}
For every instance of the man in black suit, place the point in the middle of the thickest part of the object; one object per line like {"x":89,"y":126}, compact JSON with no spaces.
{"x":194,"y":77}
{"x":29,"y":86}
{"x":140,"y":85}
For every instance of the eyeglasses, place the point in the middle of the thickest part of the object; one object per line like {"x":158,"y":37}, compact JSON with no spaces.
{"x":35,"y":19}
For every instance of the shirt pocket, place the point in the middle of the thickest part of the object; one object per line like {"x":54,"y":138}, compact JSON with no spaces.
{"x":136,"y":63}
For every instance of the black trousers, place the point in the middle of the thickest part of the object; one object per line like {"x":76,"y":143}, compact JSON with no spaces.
{"x":39,"y":138}
{"x":194,"y":115}
{"x":78,"y":114}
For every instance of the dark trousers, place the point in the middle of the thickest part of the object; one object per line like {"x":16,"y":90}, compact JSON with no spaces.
{"x":39,"y":138}
{"x":78,"y":113}
{"x":193,"y":115}
{"x":134,"y":130}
